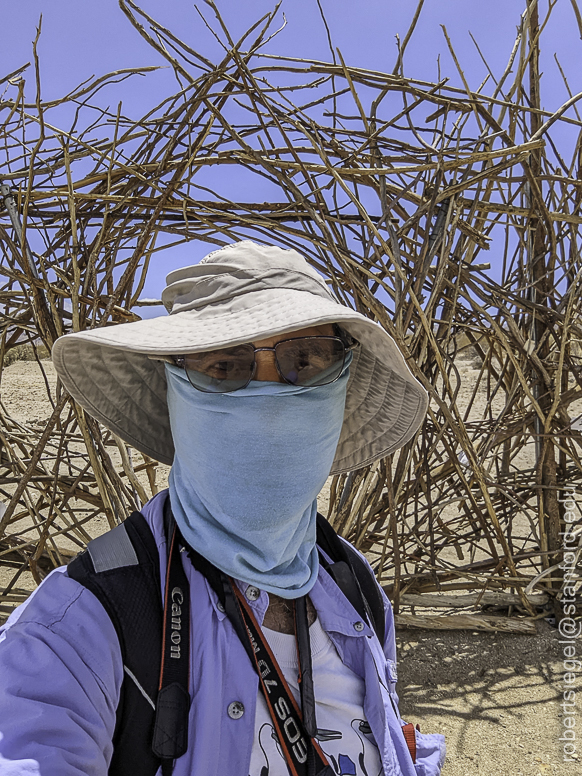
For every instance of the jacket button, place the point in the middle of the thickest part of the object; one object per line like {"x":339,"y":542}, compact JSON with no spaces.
{"x":359,"y":626}
{"x":235,"y":710}
{"x":252,"y":593}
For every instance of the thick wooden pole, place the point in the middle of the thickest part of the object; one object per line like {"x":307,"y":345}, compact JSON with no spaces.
{"x":542,"y":277}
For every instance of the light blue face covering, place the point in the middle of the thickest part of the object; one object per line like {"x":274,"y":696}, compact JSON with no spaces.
{"x":246,"y":474}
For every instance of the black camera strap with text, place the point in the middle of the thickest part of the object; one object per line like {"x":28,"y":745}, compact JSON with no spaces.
{"x":170,"y":736}
{"x":296,"y":728}
{"x":302,"y":753}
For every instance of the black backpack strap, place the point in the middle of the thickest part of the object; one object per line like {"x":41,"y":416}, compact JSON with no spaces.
{"x":121,"y":568}
{"x":353,"y":576}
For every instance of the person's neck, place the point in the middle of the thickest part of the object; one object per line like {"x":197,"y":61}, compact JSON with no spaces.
{"x":279,"y":614}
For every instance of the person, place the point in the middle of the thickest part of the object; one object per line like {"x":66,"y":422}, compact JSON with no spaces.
{"x":256,"y":387}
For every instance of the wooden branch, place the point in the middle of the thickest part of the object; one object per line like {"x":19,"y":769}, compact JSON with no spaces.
{"x":477,"y":622}
{"x":429,"y":600}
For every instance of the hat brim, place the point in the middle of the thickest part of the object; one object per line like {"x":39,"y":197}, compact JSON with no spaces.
{"x":109,"y":371}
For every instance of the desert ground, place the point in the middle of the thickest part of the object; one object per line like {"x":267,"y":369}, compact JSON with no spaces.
{"x":494,"y":696}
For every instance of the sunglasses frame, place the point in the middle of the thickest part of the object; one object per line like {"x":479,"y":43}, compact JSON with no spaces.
{"x":347,"y":341}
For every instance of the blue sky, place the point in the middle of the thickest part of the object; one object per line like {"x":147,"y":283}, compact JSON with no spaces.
{"x":84,"y":37}
{"x":81,"y":38}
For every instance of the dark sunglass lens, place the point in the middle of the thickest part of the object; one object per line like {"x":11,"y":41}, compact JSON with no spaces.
{"x":310,"y":360}
{"x":220,"y":371}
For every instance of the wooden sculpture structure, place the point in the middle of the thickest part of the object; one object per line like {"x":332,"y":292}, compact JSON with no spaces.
{"x":449,"y":216}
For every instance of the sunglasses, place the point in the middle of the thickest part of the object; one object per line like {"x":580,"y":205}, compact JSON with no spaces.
{"x":303,"y":361}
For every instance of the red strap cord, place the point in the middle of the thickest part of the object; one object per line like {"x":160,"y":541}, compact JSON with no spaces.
{"x":410,"y":738}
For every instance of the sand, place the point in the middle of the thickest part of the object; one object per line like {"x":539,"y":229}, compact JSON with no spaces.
{"x":494,"y":696}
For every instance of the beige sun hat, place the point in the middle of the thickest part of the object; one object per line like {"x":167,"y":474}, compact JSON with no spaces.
{"x":240,"y":293}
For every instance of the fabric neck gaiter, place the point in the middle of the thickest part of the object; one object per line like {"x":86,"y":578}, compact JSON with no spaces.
{"x":246,"y":473}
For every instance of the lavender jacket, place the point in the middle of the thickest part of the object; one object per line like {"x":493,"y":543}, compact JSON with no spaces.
{"x":61,"y":671}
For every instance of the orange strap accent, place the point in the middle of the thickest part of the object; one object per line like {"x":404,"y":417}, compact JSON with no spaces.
{"x":410,"y":738}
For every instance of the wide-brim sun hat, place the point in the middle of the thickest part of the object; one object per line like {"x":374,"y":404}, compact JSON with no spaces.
{"x":241,"y":293}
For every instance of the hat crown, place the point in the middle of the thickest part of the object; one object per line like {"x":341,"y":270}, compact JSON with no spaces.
{"x":236,"y":269}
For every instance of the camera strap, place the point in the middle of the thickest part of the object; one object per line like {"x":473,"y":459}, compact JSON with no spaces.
{"x":302,"y":753}
{"x":170,"y":738}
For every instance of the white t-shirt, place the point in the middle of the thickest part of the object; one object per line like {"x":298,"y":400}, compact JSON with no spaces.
{"x":343,"y":732}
